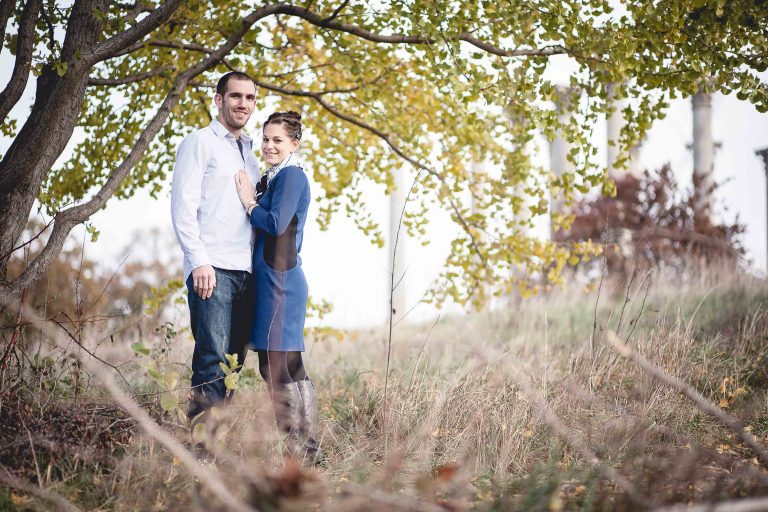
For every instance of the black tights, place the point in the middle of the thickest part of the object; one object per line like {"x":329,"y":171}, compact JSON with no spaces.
{"x":281,"y":367}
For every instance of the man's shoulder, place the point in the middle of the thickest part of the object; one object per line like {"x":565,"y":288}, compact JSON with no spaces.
{"x":201,"y":135}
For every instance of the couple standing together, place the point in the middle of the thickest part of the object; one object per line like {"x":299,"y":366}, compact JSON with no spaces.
{"x":241,"y":245}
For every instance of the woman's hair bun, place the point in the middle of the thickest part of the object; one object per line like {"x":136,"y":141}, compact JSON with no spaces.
{"x":291,"y":120}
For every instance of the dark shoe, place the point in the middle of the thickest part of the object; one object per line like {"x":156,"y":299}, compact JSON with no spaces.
{"x":309,"y":421}
{"x":286,"y":400}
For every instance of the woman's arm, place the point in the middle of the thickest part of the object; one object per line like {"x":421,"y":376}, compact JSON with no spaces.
{"x":289,"y":185}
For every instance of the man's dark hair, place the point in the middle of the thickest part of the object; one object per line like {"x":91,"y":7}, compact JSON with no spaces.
{"x":221,"y":87}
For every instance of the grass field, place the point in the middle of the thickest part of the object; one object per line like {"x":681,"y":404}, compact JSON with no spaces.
{"x":524,"y":407}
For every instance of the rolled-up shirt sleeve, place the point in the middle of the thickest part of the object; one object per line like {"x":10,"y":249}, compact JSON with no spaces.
{"x":186,"y":192}
{"x":290,"y":184}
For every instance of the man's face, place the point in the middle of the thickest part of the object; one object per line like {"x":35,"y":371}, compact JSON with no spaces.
{"x":236,"y":106}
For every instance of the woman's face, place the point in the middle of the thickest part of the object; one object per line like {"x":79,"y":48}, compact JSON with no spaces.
{"x":276,"y":144}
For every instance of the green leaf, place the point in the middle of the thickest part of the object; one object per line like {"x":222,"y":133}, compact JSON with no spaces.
{"x":230,"y":381}
{"x":156,"y":375}
{"x":91,"y":229}
{"x":61,"y":68}
{"x":168,"y":401}
{"x":226,"y":369}
{"x":232,"y":360}
{"x":170,"y":379}
{"x":140,"y":349}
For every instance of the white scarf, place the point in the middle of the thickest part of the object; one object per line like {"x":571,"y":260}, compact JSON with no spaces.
{"x":291,"y":159}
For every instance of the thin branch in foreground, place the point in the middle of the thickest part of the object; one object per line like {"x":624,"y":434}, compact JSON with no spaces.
{"x":743,"y":505}
{"x":697,"y":398}
{"x":207,"y":477}
{"x":567,"y":434}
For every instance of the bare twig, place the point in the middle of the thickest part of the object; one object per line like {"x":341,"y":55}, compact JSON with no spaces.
{"x":597,"y":302}
{"x":700,"y":401}
{"x":391,"y":305}
{"x":627,"y":300}
{"x":34,"y":455}
{"x":79,"y":344}
{"x":635,"y":320}
{"x":28,"y":242}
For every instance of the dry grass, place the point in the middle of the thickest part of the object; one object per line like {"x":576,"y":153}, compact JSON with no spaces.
{"x":490,"y":411}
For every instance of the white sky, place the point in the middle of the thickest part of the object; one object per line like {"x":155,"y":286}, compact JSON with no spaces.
{"x":343,"y":267}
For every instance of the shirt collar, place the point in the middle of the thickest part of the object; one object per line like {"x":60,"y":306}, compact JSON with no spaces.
{"x":222,"y":132}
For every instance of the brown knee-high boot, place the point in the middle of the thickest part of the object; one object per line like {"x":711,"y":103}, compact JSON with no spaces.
{"x":287,"y":402}
{"x":309,"y":420}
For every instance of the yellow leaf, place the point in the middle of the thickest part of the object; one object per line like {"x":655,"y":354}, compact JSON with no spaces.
{"x":19,"y":500}
{"x":724,"y":403}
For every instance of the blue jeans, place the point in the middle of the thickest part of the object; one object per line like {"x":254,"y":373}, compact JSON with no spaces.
{"x":220,"y":325}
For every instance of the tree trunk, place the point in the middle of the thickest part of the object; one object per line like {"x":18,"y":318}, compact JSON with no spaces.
{"x":45,"y":134}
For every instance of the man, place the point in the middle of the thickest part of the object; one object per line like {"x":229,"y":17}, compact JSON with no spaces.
{"x":215,"y":236}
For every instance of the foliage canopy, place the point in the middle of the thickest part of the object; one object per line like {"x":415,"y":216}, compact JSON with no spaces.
{"x":431,"y":85}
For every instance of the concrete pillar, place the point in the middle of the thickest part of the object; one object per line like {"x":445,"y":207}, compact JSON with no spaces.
{"x":397,"y":255}
{"x":703,"y":158}
{"x":559,"y":148}
{"x":763,"y":153}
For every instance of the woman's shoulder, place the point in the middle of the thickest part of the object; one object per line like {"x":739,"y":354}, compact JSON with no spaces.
{"x":293,"y":173}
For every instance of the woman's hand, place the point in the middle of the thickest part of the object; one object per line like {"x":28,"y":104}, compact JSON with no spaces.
{"x":245,"y":188}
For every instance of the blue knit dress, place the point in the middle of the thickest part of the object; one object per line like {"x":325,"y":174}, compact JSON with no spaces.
{"x":280,"y":285}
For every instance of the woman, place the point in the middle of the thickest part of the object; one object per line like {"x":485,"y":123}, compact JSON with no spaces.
{"x":277,"y":209}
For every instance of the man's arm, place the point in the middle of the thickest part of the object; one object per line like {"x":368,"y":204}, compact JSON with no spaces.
{"x":186,"y":191}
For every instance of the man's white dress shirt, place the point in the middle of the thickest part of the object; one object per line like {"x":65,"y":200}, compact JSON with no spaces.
{"x":209,"y":220}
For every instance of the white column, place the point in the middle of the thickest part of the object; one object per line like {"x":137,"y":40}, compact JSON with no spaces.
{"x":397,"y":256}
{"x":703,"y":157}
{"x":558,"y":150}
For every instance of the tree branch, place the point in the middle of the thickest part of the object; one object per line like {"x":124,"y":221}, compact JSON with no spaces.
{"x":336,"y":12}
{"x":6,"y":10}
{"x":368,"y":35}
{"x":25,"y":44}
{"x":124,"y":39}
{"x":128,"y":79}
{"x":69,"y":218}
{"x":317,"y":96}
{"x":331,"y":23}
